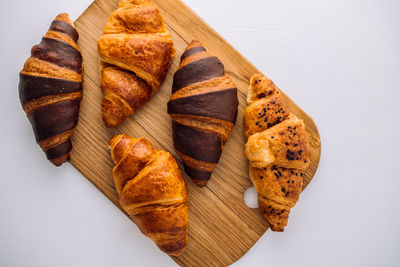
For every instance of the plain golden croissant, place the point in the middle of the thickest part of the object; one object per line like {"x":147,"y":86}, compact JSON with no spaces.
{"x":203,"y":108}
{"x":50,"y":89}
{"x":152,"y":191}
{"x":136,"y":51}
{"x":278,"y":150}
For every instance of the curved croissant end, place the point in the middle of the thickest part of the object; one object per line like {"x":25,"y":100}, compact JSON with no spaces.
{"x":278,"y":150}
{"x":50,"y":89}
{"x":152,"y":191}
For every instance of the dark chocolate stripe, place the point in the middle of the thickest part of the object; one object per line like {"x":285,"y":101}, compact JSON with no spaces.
{"x":33,"y":87}
{"x":196,"y":174}
{"x":64,"y":27}
{"x":53,"y":119}
{"x":192,"y":51}
{"x":220,"y":104}
{"x":197,"y":71}
{"x":197,"y":144}
{"x":59,"y":150}
{"x":59,"y":53}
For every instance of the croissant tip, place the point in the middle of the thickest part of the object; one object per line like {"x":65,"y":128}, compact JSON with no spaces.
{"x":278,"y":230}
{"x":200,"y":183}
{"x":176,"y":248}
{"x":110,"y":125}
{"x":114,"y":140}
{"x":176,"y":253}
{"x":194,"y":43}
{"x":60,"y":160}
{"x":63,"y":17}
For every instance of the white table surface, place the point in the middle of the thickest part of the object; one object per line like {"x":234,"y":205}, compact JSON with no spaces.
{"x":339,"y":60}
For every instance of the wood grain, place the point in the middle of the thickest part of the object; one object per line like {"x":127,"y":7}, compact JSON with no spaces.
{"x":221,"y":228}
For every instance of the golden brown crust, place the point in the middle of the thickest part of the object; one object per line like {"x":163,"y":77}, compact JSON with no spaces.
{"x":149,"y":56}
{"x":221,"y":127}
{"x":53,"y":141}
{"x":152,"y":191}
{"x":136,"y":42}
{"x":135,"y":19}
{"x":263,"y":114}
{"x":203,"y":106}
{"x":194,"y":57}
{"x":198,"y":164}
{"x":279,"y":190}
{"x":63,"y":37}
{"x":261,"y":87}
{"x":285,"y":144}
{"x":50,"y":88}
{"x":36,"y":67}
{"x":124,"y":93}
{"x":64,"y":17}
{"x":31,"y":106}
{"x":212,"y":85}
{"x":278,"y":151}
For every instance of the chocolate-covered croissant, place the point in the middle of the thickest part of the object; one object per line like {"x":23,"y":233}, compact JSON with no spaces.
{"x":50,"y":89}
{"x":203,"y":107}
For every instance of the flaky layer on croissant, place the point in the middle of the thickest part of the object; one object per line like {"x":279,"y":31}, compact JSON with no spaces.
{"x":278,"y":151}
{"x":50,"y":89}
{"x":203,"y":107}
{"x":152,"y":191}
{"x":135,"y":48}
{"x":285,"y":145}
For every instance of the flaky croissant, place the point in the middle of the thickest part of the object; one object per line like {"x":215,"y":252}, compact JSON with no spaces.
{"x":278,"y":151}
{"x":136,"y":51}
{"x":203,"y":108}
{"x":152,"y":191}
{"x":50,"y":89}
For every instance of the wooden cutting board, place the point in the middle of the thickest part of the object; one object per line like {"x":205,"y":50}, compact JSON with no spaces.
{"x":221,"y":227}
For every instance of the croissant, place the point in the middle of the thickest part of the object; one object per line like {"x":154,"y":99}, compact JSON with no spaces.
{"x":203,"y":108}
{"x":152,"y":191}
{"x":278,"y":151}
{"x":136,"y":51}
{"x":50,"y":89}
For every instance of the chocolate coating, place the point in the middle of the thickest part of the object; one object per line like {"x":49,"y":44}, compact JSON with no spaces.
{"x":198,"y":71}
{"x":58,"y":53}
{"x":59,"y":150}
{"x":197,"y":144}
{"x":218,"y":104}
{"x":33,"y":87}
{"x":51,"y":120}
{"x":196,"y":174}
{"x":192,"y":51}
{"x":64,"y":27}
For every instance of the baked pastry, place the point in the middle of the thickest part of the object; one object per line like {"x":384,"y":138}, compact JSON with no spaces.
{"x":268,"y":110}
{"x":278,"y":151}
{"x":136,"y":51}
{"x":203,"y":108}
{"x":50,"y":89}
{"x":151,"y":191}
{"x":285,"y":145}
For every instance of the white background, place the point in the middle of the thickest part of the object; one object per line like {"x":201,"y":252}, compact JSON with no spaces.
{"x":339,"y":60}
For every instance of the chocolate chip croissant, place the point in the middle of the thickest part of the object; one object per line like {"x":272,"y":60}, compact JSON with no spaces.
{"x":136,"y":51}
{"x":50,"y":89}
{"x":277,"y":149}
{"x":203,"y":107}
{"x":152,"y":191}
